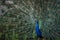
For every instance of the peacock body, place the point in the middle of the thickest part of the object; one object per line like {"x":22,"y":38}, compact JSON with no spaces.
{"x":38,"y":31}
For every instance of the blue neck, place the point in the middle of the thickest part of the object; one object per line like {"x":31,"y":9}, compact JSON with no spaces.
{"x":38,"y":31}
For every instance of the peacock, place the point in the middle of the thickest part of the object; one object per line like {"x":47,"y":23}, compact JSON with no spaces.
{"x":31,"y":20}
{"x":38,"y":31}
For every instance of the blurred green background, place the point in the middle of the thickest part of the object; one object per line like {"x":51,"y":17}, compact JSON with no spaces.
{"x":17,"y":17}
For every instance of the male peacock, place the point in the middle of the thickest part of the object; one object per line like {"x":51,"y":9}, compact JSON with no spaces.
{"x":22,"y":17}
{"x":38,"y":31}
